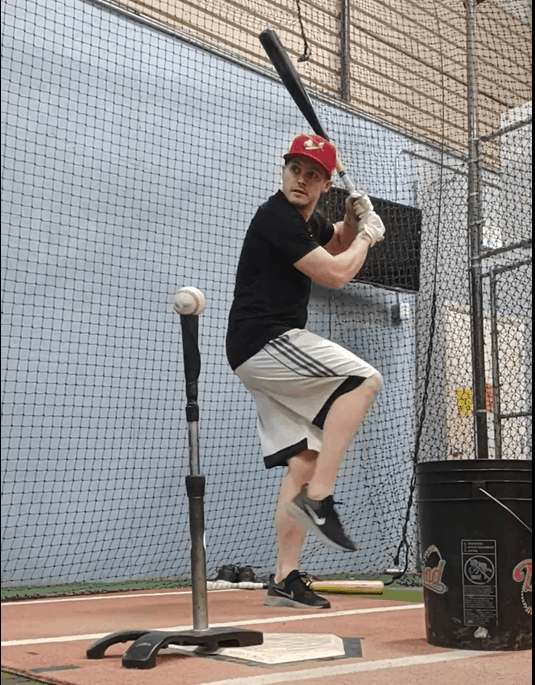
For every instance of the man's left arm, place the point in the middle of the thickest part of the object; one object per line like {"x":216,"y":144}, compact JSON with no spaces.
{"x":343,"y":237}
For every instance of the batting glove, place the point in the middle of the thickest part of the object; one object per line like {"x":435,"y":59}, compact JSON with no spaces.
{"x":373,"y":227}
{"x":357,"y":208}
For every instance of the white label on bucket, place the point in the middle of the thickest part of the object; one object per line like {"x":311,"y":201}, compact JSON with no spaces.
{"x":480,"y":591}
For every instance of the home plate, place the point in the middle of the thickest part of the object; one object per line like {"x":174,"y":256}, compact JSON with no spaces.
{"x":280,"y":648}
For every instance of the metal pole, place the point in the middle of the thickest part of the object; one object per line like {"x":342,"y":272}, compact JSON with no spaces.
{"x":475,"y":241}
{"x":496,"y":400}
{"x":345,"y":49}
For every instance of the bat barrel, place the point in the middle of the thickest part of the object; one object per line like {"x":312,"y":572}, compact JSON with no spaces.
{"x":291,"y":79}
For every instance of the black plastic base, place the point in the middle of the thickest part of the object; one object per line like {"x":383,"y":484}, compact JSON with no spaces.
{"x":147,"y":643}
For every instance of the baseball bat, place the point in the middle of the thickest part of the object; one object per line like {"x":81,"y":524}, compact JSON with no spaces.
{"x":337,"y":587}
{"x":291,"y":79}
{"x":349,"y":587}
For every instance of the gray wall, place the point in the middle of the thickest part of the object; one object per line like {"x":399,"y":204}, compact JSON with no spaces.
{"x":132,"y":165}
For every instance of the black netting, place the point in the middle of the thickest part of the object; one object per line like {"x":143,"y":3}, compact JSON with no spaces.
{"x":138,"y":139}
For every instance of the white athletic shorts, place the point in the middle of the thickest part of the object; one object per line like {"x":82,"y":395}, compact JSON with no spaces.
{"x":294,"y":380}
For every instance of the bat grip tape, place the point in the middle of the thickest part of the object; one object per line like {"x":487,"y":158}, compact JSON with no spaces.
{"x":347,"y":181}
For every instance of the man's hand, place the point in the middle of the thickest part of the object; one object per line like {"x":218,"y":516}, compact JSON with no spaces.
{"x":361,"y":217}
{"x":357,"y":208}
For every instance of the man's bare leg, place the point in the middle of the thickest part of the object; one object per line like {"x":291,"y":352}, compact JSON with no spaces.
{"x":341,"y":426}
{"x":290,"y":534}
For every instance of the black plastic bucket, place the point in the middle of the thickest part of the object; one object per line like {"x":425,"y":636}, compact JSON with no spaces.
{"x":474,"y":520}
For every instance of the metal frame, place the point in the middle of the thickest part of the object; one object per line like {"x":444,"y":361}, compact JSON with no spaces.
{"x":475,"y":226}
{"x":498,"y":416}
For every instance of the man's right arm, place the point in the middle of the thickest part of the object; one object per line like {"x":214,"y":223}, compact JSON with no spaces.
{"x":335,"y":271}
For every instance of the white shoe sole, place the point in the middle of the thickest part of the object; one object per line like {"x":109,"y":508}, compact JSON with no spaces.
{"x":286,"y":602}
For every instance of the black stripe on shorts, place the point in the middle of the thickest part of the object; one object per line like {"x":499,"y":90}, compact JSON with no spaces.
{"x":350,"y":383}
{"x":281,"y":457}
{"x":301,"y":359}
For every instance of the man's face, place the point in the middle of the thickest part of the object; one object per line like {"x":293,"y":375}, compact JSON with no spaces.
{"x":303,"y":182}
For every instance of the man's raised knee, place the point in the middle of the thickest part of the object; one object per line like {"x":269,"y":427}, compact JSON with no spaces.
{"x":376,"y":382}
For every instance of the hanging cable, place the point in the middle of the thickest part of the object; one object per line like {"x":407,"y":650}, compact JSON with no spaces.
{"x":306,"y":54}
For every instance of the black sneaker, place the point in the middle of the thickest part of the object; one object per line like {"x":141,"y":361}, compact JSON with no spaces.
{"x":321,"y":518}
{"x":228,"y":573}
{"x":294,"y":592}
{"x":246,"y":575}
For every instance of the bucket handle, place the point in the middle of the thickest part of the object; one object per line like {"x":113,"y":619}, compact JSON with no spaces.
{"x":507,"y":509}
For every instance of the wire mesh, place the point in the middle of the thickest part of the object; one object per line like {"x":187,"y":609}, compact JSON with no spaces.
{"x":138,"y":139}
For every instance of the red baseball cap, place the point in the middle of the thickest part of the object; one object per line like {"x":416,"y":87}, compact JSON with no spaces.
{"x":315,"y":148}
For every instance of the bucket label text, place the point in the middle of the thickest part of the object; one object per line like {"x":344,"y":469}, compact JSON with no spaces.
{"x":433,"y":570}
{"x":480,"y":590}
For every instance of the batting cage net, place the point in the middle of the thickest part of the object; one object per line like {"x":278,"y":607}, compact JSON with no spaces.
{"x":138,"y":140}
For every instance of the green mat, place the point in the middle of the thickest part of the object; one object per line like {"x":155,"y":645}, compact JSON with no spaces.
{"x":74,"y":589}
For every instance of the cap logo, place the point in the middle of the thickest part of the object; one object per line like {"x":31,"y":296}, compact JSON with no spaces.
{"x":309,"y":145}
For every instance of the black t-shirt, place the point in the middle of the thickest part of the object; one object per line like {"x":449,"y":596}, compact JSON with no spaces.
{"x":271,"y":296}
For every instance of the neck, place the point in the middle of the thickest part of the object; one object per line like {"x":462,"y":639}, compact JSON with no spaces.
{"x":306,"y":213}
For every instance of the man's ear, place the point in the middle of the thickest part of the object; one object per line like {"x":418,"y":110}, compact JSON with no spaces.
{"x":328,"y":186}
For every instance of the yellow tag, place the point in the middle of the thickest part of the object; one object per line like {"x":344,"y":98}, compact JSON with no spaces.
{"x":464,"y":401}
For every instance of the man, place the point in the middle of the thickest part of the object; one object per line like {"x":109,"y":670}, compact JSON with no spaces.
{"x":311,"y":394}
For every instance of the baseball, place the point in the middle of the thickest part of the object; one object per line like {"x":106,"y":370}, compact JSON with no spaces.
{"x":189,"y":300}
